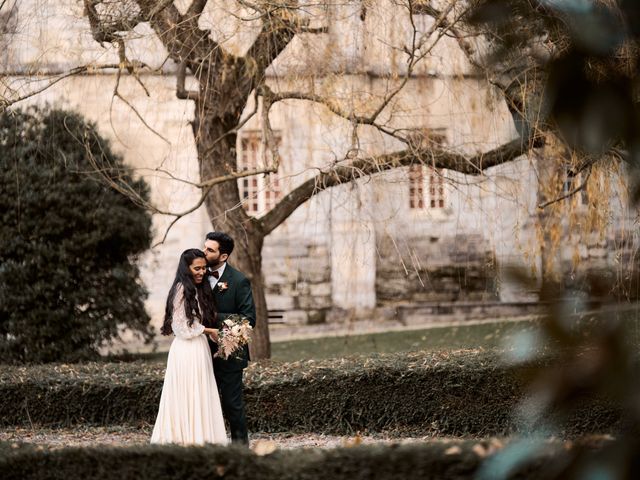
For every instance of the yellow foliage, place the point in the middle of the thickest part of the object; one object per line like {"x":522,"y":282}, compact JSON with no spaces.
{"x":576,"y":195}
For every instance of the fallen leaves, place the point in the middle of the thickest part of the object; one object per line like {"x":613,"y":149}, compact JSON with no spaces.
{"x":264,"y":447}
{"x":454,"y":450}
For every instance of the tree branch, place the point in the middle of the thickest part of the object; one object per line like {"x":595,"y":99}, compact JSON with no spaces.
{"x":435,"y":157}
{"x":279,"y":25}
{"x":268,"y":138}
{"x":181,"y":92}
{"x":108,"y":31}
{"x":5,"y":103}
{"x":196,"y":8}
{"x":273,"y":38}
{"x":274,"y":97}
{"x":569,"y":194}
{"x":236,"y":175}
{"x":116,"y":94}
{"x":271,"y":97}
{"x":313,"y":30}
{"x":180,"y":35}
{"x":414,"y":56}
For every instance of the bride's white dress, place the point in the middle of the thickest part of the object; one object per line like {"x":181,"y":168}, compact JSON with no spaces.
{"x":190,"y":411}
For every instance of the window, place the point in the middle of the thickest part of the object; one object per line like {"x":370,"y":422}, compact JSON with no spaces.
{"x":259,"y":193}
{"x":432,"y":195}
{"x":573,"y":181}
{"x":416,"y":186}
{"x":436,"y":188}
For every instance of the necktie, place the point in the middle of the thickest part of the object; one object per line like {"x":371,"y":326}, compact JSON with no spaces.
{"x":216,"y":274}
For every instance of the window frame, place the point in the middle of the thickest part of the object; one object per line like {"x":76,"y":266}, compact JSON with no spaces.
{"x":258,"y":193}
{"x":427,"y":192}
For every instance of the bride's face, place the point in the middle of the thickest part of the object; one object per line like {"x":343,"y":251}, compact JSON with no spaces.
{"x":198,"y":268}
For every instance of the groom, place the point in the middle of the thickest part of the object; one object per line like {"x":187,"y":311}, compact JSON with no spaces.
{"x":232,"y":291}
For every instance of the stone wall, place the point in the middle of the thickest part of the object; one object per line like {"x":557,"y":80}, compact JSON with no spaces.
{"x":432,"y":269}
{"x":297,"y":274}
{"x":611,"y":260}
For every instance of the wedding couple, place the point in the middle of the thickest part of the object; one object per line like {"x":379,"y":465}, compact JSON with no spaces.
{"x":199,"y":389}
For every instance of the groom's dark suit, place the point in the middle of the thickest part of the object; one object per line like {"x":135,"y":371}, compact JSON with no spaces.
{"x":235,"y":298}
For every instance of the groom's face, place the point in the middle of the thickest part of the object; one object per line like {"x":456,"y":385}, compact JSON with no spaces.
{"x":215,"y":259}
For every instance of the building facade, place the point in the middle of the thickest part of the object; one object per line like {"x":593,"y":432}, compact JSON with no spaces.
{"x":404,"y":245}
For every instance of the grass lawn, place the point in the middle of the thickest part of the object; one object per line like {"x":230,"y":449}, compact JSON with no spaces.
{"x":494,"y":335}
{"x":498,"y":334}
{"x":485,"y":335}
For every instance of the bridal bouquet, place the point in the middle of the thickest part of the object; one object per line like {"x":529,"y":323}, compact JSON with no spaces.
{"x":234,"y":334}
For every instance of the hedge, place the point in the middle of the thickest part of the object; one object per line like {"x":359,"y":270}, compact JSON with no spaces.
{"x":435,"y":460}
{"x":466,"y":393}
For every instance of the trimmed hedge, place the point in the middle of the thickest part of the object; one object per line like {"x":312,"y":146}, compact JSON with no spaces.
{"x":466,"y":393}
{"x":425,"y":461}
{"x":91,"y":393}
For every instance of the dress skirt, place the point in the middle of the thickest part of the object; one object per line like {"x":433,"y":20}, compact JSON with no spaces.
{"x":190,"y":411}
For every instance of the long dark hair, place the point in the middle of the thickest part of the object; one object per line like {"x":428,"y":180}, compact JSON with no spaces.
{"x":194,"y":295}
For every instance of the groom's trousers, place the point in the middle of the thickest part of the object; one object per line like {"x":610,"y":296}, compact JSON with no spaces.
{"x":230,"y":388}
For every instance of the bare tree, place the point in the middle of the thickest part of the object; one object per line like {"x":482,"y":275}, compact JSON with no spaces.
{"x":8,"y":22}
{"x":225,"y":83}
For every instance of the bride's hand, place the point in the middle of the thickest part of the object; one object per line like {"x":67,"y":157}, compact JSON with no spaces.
{"x":213,"y":335}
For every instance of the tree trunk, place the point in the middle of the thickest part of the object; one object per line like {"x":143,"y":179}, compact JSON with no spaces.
{"x":217,"y":156}
{"x":251,"y":264}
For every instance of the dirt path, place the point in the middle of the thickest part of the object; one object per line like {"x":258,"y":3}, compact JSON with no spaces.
{"x":126,"y":436}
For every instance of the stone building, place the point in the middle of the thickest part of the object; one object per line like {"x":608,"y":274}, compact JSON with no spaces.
{"x":405,"y":245}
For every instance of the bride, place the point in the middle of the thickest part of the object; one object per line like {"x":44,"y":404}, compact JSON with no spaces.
{"x":190,"y":411}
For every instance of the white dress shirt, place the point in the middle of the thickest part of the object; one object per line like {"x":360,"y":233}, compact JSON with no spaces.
{"x":213,"y":280}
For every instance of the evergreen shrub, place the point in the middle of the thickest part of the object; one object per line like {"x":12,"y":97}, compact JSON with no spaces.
{"x":68,"y":277}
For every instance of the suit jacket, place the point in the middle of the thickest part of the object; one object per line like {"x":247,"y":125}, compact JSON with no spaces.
{"x":235,"y":298}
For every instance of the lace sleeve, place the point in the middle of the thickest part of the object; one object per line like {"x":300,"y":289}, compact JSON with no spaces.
{"x":179,"y":321}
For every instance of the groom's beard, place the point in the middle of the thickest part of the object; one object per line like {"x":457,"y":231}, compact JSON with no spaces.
{"x":214,"y":266}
